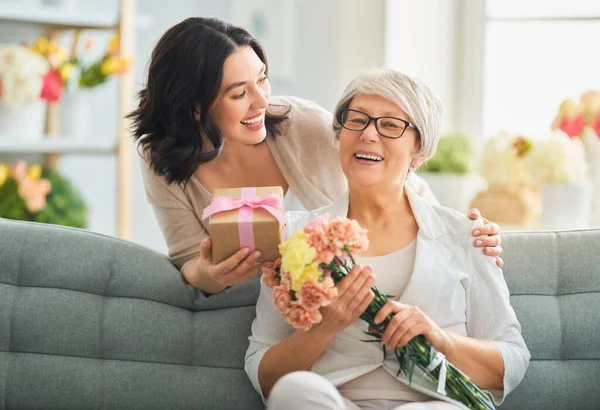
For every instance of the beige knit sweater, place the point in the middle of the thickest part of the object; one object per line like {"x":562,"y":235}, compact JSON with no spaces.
{"x":307,"y":156}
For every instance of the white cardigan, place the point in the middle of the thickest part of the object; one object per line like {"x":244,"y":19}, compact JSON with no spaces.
{"x":454,"y":283}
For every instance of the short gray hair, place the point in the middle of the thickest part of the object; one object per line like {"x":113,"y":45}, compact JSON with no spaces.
{"x":423,"y":107}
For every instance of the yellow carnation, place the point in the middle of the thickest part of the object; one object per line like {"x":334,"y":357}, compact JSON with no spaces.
{"x":34,"y":172}
{"x":311,"y":272}
{"x":298,"y":259}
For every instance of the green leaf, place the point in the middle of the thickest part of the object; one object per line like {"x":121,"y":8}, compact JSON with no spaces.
{"x":454,"y":154}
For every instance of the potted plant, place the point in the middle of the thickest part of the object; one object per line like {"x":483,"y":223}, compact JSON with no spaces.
{"x":39,"y":194}
{"x":558,"y":166}
{"x":511,"y":196}
{"x":582,"y":121}
{"x":89,"y":75}
{"x":449,"y":172}
{"x":28,"y":81}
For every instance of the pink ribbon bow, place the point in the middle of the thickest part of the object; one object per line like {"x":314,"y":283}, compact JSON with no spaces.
{"x":272,"y":203}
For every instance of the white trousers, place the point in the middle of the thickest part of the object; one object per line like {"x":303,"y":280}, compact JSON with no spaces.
{"x":308,"y":390}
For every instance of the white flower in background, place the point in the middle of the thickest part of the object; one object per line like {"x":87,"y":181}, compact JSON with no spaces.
{"x":503,"y":164}
{"x":559,"y":159}
{"x":21,"y":73}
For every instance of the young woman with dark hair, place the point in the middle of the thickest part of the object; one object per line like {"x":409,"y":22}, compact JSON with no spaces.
{"x":206,"y":120}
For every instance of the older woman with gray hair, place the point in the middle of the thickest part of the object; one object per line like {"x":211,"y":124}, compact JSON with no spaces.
{"x":387,"y":125}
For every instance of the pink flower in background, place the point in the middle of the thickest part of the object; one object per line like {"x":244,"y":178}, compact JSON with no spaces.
{"x":573,"y":127}
{"x":314,"y":295}
{"x":596,"y":125}
{"x":270,"y":274}
{"x":19,"y":171}
{"x":34,"y":193}
{"x":52,"y":86}
{"x":89,"y":44}
{"x":301,"y":318}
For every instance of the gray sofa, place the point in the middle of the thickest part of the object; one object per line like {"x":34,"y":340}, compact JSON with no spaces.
{"x":88,"y":321}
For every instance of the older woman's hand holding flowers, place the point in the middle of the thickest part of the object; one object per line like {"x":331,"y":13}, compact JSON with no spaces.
{"x":408,"y":322}
{"x":354,"y":296}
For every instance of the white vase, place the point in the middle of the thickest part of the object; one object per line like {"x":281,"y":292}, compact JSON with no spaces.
{"x":592,"y":152}
{"x":25,"y":122}
{"x":455,"y":191}
{"x":74,"y":114}
{"x":566,"y":206}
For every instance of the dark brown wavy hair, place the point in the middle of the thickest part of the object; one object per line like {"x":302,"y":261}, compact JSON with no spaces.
{"x":186,"y":68}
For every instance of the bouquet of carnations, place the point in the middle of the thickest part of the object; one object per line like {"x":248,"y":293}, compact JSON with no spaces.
{"x":319,"y":256}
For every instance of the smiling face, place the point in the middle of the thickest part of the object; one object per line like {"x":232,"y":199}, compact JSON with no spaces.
{"x":239,"y":109}
{"x":370,"y":160}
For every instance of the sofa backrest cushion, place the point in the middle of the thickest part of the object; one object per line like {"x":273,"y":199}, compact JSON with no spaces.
{"x":88,"y":321}
{"x":554,"y":281}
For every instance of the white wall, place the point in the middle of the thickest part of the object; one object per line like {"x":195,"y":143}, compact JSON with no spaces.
{"x":422,"y":41}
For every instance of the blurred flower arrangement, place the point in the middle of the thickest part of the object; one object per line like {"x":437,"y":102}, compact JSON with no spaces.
{"x":454,"y":155}
{"x":61,"y":69}
{"x":581,"y":121}
{"x":503,"y":161}
{"x":39,"y":194}
{"x":45,"y":68}
{"x":577,"y":118}
{"x":25,"y":76}
{"x":96,"y":73}
{"x":511,"y":196}
{"x":559,"y":159}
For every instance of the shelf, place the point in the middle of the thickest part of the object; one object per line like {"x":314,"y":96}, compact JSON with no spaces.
{"x":66,"y":19}
{"x":57,"y":146}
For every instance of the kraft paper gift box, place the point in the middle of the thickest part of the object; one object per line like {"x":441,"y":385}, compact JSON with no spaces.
{"x":250,"y":217}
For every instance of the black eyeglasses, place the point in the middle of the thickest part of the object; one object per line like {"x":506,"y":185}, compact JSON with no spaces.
{"x":388,"y":127}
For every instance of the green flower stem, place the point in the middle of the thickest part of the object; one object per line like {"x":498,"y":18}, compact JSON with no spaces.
{"x":418,"y":352}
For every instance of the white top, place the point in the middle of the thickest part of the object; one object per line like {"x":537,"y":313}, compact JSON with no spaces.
{"x":393,"y":272}
{"x":453,"y":283}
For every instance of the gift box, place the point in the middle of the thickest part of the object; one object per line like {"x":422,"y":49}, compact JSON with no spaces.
{"x":246,"y":217}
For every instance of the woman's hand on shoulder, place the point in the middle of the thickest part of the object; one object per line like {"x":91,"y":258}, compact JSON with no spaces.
{"x":487,"y":237}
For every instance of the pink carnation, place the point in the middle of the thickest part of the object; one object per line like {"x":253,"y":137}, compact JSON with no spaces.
{"x":282,"y":297}
{"x":313,"y":295}
{"x":346,"y":233}
{"x":573,"y":127}
{"x":596,"y":125}
{"x":270,"y":274}
{"x":317,"y":225}
{"x":301,"y":318}
{"x":316,"y":238}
